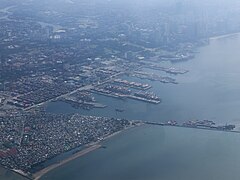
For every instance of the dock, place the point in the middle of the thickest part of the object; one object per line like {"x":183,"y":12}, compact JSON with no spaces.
{"x":133,"y":85}
{"x":170,"y":70}
{"x":224,"y":128}
{"x":144,"y":99}
{"x":154,"y":77}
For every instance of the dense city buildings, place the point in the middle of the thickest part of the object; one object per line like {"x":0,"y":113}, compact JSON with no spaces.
{"x":31,"y":138}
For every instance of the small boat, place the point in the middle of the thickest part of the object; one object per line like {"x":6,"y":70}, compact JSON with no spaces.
{"x":104,"y":147}
{"x":119,"y":110}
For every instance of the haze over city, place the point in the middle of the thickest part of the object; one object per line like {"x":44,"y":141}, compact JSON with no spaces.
{"x":119,"y":89}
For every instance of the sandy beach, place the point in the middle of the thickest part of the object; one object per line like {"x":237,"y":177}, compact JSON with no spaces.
{"x":42,"y":172}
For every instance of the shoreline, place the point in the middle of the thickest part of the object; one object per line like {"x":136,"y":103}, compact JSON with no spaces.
{"x":14,"y":173}
{"x":88,"y":148}
{"x":224,"y":36}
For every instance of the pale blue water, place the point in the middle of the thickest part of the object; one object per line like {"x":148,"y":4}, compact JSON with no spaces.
{"x":159,"y":153}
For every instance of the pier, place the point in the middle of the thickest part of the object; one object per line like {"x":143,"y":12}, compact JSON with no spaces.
{"x":140,"y":96}
{"x":170,"y":70}
{"x":204,"y":125}
{"x":154,"y":77}
{"x":144,"y":99}
{"x":134,"y":85}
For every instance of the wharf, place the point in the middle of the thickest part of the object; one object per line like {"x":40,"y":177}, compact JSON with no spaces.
{"x":124,"y":96}
{"x":144,"y":99}
{"x":154,"y":77}
{"x":170,"y":70}
{"x":109,"y":94}
{"x":212,"y":128}
{"x":133,"y":85}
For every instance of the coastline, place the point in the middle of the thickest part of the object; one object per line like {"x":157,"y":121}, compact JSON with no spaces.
{"x":224,"y":36}
{"x":88,"y":148}
{"x":44,"y":171}
{"x":12,"y":173}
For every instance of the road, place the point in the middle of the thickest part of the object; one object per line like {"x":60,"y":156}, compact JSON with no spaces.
{"x":84,"y":88}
